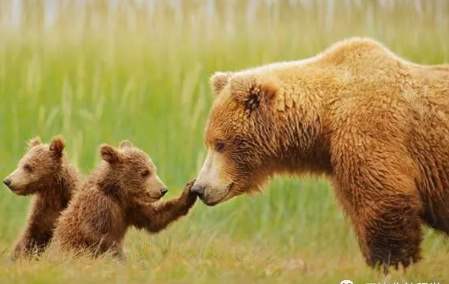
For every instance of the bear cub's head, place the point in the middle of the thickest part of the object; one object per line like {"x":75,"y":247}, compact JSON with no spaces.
{"x":38,"y":167}
{"x":128,"y":172}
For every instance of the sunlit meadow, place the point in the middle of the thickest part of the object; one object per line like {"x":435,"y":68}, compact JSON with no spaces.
{"x":103,"y":71}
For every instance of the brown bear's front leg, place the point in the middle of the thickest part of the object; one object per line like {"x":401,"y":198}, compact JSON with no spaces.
{"x":155,"y":218}
{"x":390,"y":232}
{"x":387,"y":226}
{"x":378,"y":192}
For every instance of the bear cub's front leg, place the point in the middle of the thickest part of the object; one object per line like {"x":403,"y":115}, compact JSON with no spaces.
{"x":156,"y":217}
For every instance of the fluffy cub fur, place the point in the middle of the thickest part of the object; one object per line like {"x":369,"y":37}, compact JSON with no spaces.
{"x":45,"y":173}
{"x":120,"y":193}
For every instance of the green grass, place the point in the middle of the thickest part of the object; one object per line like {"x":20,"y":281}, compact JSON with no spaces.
{"x":98,"y":74}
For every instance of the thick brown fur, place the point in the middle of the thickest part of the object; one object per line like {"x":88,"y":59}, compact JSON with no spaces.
{"x":377,"y":125}
{"x":121,"y":192}
{"x":45,"y":173}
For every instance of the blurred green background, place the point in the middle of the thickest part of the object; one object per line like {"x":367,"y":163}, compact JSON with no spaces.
{"x":102,"y":71}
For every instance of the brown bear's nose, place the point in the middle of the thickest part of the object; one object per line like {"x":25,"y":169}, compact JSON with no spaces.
{"x":164,"y":191}
{"x":198,"y":189}
{"x":7,"y":182}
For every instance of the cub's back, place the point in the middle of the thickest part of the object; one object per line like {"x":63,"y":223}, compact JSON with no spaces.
{"x":91,"y":217}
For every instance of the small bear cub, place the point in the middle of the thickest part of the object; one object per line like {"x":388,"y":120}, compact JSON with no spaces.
{"x":45,"y":173}
{"x":118,"y":194}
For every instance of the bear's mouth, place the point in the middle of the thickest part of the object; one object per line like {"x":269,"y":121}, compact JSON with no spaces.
{"x":225,"y":197}
{"x":18,"y":191}
{"x":155,"y":198}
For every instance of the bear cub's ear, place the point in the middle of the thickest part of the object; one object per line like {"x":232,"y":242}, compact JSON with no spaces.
{"x":34,"y":142}
{"x":57,"y":146}
{"x":219,"y":80}
{"x":109,"y":154}
{"x":126,"y":144}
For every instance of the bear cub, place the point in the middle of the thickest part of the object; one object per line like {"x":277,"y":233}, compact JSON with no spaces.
{"x":118,"y":194}
{"x":45,"y":173}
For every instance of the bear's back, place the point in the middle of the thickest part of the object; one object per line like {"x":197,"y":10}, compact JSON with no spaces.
{"x":358,"y":59}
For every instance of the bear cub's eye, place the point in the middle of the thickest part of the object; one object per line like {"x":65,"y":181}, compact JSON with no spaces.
{"x":146,"y":173}
{"x":28,"y":168}
{"x":219,"y":146}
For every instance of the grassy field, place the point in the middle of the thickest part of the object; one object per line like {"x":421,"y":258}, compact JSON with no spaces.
{"x":103,"y":71}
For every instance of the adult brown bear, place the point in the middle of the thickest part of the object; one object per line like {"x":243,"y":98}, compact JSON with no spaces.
{"x":375,"y":124}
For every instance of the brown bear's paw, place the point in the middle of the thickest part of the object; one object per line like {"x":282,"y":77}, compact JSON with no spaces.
{"x":398,"y":259}
{"x":393,"y":240}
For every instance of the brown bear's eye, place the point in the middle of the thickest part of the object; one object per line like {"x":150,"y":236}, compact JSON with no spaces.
{"x":146,"y":173}
{"x":219,"y":146}
{"x":28,"y":168}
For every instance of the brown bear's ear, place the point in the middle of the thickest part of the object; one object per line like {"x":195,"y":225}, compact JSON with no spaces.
{"x":34,"y":142}
{"x":125,"y":144}
{"x":57,"y":146}
{"x":253,"y":93}
{"x":109,"y":154}
{"x":219,"y":80}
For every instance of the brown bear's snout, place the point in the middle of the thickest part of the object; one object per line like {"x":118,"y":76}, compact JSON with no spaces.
{"x":164,"y":191}
{"x":198,"y":189}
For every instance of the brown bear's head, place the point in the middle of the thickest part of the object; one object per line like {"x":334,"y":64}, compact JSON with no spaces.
{"x":129,"y":172}
{"x":37,"y":168}
{"x":239,"y":136}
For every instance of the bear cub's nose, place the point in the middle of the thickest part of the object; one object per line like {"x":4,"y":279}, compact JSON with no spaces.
{"x":164,"y":191}
{"x":7,"y":182}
